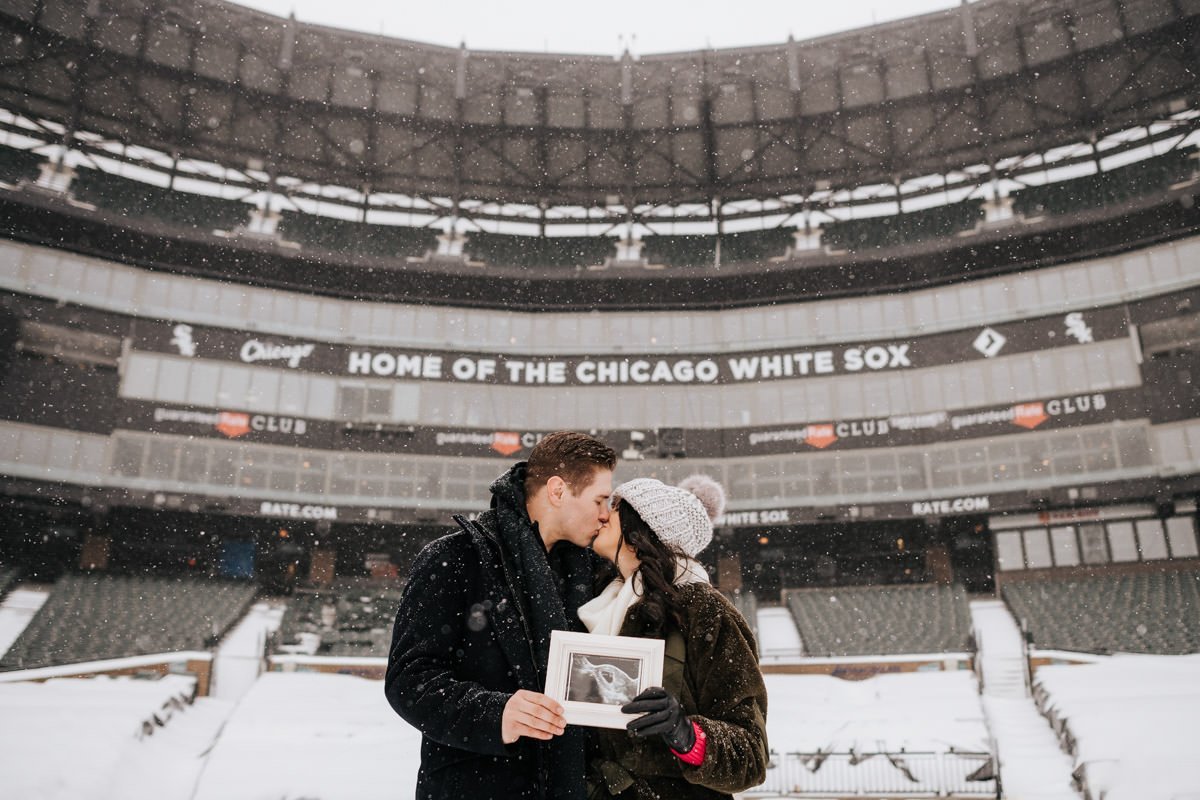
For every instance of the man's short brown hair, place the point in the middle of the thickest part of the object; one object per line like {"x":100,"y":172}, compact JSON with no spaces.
{"x":572,"y":456}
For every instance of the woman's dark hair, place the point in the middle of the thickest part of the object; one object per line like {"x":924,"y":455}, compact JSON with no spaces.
{"x":660,"y":602}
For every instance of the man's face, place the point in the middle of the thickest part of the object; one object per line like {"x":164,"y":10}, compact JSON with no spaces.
{"x":582,"y":513}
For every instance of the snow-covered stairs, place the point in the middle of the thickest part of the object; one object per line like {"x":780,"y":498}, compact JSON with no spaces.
{"x":1002,"y":658}
{"x":16,"y":612}
{"x":239,"y":659}
{"x":778,"y":637}
{"x":1032,"y":766}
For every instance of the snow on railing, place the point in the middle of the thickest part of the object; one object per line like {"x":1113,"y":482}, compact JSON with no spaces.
{"x":900,"y":774}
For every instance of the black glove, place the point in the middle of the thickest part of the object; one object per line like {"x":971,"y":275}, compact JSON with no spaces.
{"x":663,"y":716}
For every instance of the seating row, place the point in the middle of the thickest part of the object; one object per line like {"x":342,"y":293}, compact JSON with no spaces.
{"x":94,"y":617}
{"x":8,"y":579}
{"x":1107,"y":188}
{"x":747,"y":604}
{"x":1126,"y":722}
{"x":854,"y":621}
{"x":349,"y":618}
{"x":138,"y":199}
{"x":1153,"y":613}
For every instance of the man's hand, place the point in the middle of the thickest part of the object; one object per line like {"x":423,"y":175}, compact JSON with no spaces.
{"x":531,"y":714}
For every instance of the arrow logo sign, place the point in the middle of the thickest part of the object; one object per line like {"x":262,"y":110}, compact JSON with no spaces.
{"x":233,"y":425}
{"x":506,"y":442}
{"x":989,"y":342}
{"x":820,"y":436}
{"x":1030,"y":415}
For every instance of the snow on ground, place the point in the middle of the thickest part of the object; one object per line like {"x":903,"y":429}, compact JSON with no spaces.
{"x":917,"y":711}
{"x":334,"y":736}
{"x":16,"y":612}
{"x":165,"y":766}
{"x":1133,"y":722}
{"x":329,"y":736}
{"x":66,"y":739}
{"x":312,"y":735}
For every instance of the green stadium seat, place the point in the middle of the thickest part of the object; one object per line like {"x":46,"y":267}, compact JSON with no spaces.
{"x":900,"y":229}
{"x":1115,"y":186}
{"x":139,"y":200}
{"x":352,"y":618}
{"x":539,"y":251}
{"x":316,"y":232}
{"x":95,"y":617}
{"x":19,"y":165}
{"x":862,"y":621}
{"x":1156,"y":613}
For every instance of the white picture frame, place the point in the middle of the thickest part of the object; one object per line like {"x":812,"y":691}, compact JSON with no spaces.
{"x":590,"y":675}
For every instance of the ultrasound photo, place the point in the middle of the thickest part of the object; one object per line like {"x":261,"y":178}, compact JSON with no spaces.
{"x":603,"y":679}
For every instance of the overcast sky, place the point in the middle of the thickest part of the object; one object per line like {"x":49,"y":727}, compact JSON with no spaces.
{"x":604,"y":27}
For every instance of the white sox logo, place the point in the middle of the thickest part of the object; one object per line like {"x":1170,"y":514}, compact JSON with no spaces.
{"x":1077,"y":328}
{"x":183,"y":340}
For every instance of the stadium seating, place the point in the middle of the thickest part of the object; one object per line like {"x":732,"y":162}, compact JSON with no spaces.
{"x":539,"y":251}
{"x":701,"y":250}
{"x":747,"y":603}
{"x":761,"y":245}
{"x":881,"y":621}
{"x":93,"y":617}
{"x":343,"y":236}
{"x":1157,"y":613}
{"x":899,"y":229}
{"x":1107,"y":188}
{"x":8,"y":578}
{"x":19,"y":165}
{"x":353,"y":617}
{"x":1126,"y":723}
{"x":141,"y":200}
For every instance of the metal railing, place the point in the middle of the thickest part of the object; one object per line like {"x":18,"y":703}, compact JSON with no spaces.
{"x":899,"y":774}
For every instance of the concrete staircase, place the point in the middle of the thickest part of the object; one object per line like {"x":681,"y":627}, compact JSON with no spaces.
{"x":1032,"y":766}
{"x":1002,"y":658}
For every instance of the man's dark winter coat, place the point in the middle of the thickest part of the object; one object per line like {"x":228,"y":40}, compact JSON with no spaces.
{"x":473,"y":627}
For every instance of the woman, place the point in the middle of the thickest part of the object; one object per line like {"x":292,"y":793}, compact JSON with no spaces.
{"x":703,"y":733}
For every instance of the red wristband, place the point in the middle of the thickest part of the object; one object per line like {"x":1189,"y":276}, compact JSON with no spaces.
{"x":695,"y":756}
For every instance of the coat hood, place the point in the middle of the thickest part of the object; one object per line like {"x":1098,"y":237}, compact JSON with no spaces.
{"x":508,"y":490}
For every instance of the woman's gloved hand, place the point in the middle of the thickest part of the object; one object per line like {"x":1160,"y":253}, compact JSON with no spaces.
{"x":663,"y":716}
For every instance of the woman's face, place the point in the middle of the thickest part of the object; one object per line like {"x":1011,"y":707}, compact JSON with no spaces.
{"x":608,"y":541}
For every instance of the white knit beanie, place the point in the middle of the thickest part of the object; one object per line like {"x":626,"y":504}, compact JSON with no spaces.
{"x":681,"y":516}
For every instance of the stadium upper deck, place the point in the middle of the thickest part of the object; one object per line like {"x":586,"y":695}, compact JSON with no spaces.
{"x":299,"y":116}
{"x":186,"y":333}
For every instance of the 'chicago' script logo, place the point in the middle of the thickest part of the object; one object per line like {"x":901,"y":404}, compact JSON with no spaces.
{"x":254,"y":350}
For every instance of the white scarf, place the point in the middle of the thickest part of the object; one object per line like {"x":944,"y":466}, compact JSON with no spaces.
{"x":605,"y":613}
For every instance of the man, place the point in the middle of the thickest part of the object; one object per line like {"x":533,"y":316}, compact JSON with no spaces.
{"x":472,"y":635}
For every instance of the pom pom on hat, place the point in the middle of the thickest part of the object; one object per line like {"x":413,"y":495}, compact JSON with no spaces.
{"x":681,"y":516}
{"x":708,"y":492}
